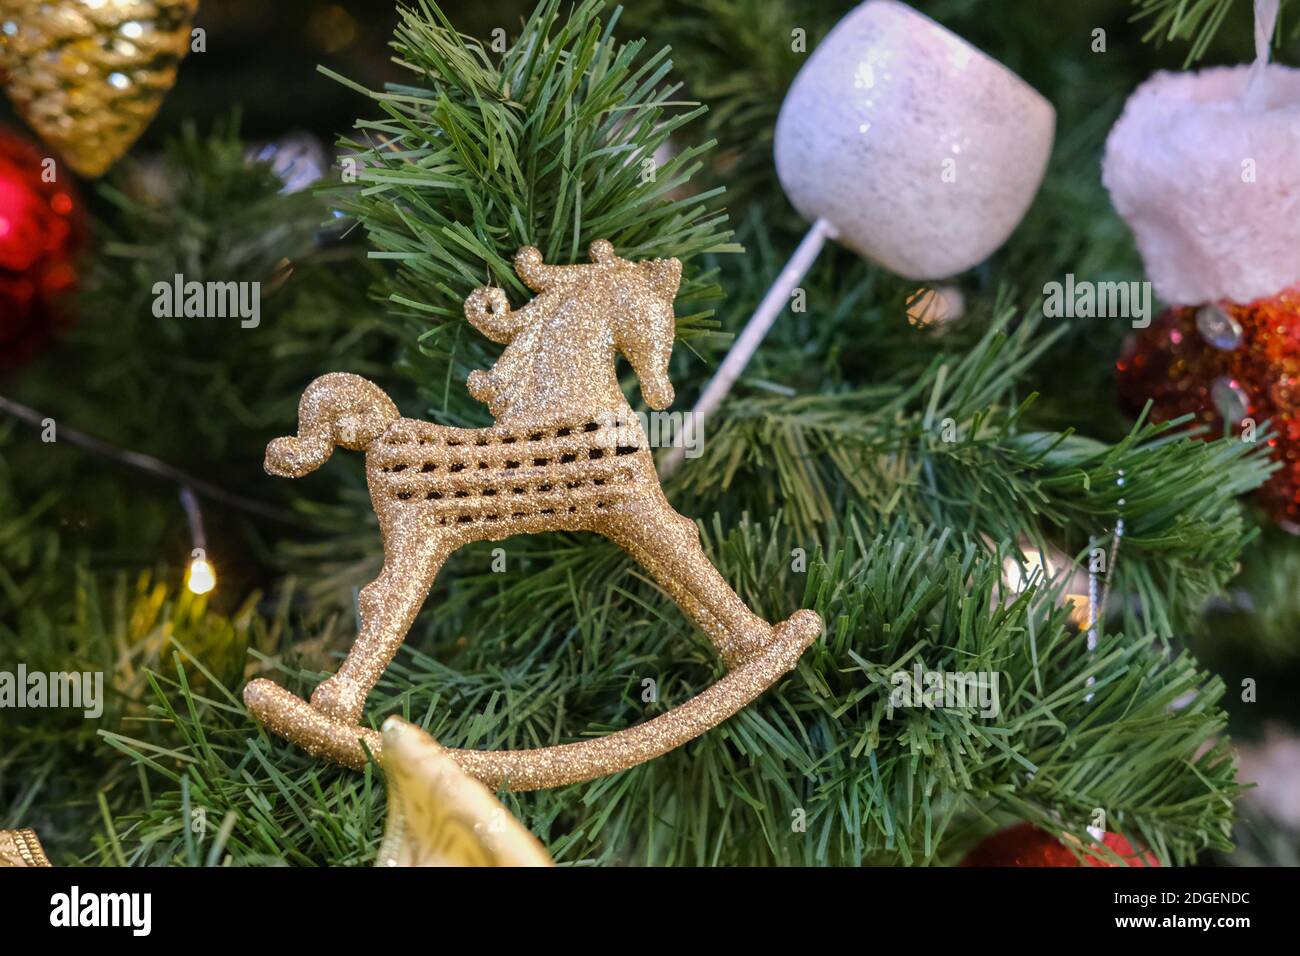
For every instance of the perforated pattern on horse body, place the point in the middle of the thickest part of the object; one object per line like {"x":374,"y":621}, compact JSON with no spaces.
{"x":516,"y":481}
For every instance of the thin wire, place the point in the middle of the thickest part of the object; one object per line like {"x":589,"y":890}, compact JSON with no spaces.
{"x":1097,"y":607}
{"x":1115,"y":541}
{"x":195,"y":518}
{"x":149,"y":464}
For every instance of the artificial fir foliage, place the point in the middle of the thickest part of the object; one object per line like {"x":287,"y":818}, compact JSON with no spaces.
{"x":829,"y":468}
{"x":552,"y":144}
{"x":1196,"y":21}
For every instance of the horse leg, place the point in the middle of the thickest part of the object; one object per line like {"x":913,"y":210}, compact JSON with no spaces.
{"x":668,"y":546}
{"x":387,"y":607}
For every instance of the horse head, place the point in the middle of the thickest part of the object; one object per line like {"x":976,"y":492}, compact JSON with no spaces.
{"x":580,"y":315}
{"x":645,"y":328}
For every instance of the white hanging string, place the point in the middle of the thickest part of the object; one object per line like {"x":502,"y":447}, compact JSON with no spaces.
{"x":752,"y":335}
{"x":1257,"y":87}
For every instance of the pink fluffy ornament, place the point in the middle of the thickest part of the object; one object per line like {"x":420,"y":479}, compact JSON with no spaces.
{"x":1205,"y":169}
{"x":1210,"y":184}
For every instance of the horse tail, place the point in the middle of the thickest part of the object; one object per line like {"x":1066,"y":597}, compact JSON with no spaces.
{"x":336,"y":409}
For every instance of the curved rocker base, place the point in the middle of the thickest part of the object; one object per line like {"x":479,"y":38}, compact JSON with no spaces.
{"x":297,"y":721}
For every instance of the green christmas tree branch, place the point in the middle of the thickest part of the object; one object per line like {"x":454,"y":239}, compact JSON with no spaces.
{"x":561,"y":139}
{"x":830,"y":482}
{"x":1199,"y":21}
{"x":1127,"y":730}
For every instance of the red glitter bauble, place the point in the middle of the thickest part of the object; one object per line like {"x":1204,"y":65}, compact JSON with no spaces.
{"x":40,"y":231}
{"x":1238,"y":364}
{"x":1026,"y":845}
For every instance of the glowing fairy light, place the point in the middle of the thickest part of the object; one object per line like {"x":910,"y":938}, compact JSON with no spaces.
{"x":1036,"y":568}
{"x":1040,"y":569}
{"x":202,"y":577}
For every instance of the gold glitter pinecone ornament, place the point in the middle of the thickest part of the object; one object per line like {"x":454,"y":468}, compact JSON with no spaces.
{"x":89,"y":75}
{"x":566,"y":454}
{"x":440,"y":816}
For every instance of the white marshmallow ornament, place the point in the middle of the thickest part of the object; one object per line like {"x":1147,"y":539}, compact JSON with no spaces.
{"x":902,"y":142}
{"x":921,"y":151}
{"x":1205,"y":169}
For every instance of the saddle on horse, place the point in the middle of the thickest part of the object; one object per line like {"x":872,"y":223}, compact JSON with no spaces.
{"x":566,"y":454}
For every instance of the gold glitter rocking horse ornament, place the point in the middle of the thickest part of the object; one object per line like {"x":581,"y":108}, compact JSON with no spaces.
{"x":566,"y":454}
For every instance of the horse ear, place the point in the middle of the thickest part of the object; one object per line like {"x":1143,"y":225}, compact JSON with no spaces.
{"x":665,"y":275}
{"x":529,"y":268}
{"x":602,"y":251}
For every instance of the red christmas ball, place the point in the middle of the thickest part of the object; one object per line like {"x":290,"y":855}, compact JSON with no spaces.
{"x":1026,"y":845}
{"x":1231,"y":366}
{"x":41,"y":227}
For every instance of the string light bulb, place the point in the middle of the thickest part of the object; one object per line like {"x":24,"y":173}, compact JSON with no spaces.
{"x":1041,"y":568}
{"x":202,"y":576}
{"x":1036,"y":568}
